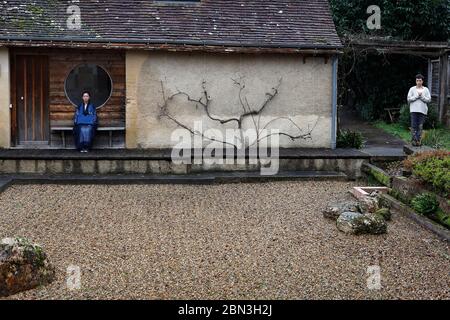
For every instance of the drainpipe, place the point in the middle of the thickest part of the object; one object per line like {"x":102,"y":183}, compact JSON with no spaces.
{"x":334,"y":102}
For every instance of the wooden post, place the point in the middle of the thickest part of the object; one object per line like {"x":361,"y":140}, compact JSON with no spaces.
{"x":430,"y":76}
{"x":443,"y":87}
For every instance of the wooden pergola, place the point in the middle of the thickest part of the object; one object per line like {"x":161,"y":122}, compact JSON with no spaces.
{"x":435,"y":52}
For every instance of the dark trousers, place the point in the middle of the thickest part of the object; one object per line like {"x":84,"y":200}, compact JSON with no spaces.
{"x":84,"y":136}
{"x":417,"y":120}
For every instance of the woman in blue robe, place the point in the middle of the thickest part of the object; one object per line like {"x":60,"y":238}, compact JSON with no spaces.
{"x":85,"y":124}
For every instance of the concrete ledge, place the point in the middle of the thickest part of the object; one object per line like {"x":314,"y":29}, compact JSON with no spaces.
{"x":5,"y":182}
{"x":202,"y":178}
{"x":164,"y":154}
{"x":384,"y":153}
{"x":426,"y":223}
{"x":410,"y":150}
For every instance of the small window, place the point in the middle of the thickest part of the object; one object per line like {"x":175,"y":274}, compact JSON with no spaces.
{"x":88,"y":77}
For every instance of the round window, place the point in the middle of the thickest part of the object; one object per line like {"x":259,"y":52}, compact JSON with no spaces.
{"x":88,"y":77}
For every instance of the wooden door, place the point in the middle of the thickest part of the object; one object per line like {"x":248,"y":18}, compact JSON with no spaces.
{"x":30,"y":94}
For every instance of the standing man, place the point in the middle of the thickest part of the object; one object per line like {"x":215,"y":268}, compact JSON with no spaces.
{"x":418,"y":98}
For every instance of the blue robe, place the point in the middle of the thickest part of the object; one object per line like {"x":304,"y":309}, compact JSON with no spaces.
{"x":85,"y":125}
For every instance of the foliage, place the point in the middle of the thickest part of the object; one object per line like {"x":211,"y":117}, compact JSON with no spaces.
{"x":371,"y":83}
{"x":426,"y":20}
{"x":431,"y":121}
{"x":350,"y":139}
{"x":433,"y":138}
{"x":425,"y":203}
{"x":396,"y":129}
{"x":442,"y":217}
{"x":433,"y":167}
{"x":417,"y":158}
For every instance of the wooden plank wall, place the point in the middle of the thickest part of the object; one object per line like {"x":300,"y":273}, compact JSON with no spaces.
{"x":61,"y":110}
{"x":62,"y":61}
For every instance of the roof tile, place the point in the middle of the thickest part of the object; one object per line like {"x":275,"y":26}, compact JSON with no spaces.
{"x":255,"y":23}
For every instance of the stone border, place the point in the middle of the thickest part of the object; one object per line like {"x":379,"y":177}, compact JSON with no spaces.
{"x":410,"y":150}
{"x":204,"y":178}
{"x":426,"y":223}
{"x":360,"y":192}
{"x":379,"y":174}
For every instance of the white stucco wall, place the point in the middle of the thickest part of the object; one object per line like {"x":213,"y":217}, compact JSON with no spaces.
{"x":5,"y":121}
{"x":304,"y":95}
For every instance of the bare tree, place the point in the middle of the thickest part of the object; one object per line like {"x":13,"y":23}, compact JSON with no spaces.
{"x":248,"y":112}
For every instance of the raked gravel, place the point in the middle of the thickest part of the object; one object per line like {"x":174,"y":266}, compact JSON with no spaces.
{"x":231,"y":241}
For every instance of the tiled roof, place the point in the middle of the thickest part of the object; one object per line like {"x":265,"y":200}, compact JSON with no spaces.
{"x":251,"y":23}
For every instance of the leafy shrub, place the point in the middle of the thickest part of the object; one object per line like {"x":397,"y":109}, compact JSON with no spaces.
{"x":349,"y":139}
{"x":433,"y":138}
{"x":431,"y":121}
{"x":412,"y":160}
{"x":425,"y":203}
{"x":433,"y":167}
{"x":405,"y":116}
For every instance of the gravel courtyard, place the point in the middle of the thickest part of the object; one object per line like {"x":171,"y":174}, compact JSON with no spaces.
{"x":233,"y":241}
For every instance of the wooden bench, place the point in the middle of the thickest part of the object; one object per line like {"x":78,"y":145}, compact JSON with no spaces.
{"x":392,"y":112}
{"x":63,"y":131}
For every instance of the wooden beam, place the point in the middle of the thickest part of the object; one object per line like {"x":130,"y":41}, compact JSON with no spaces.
{"x":169,"y":47}
{"x":443,"y":87}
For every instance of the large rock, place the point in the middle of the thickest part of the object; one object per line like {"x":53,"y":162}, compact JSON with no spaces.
{"x":23,"y":266}
{"x":358,"y":223}
{"x":334,"y":210}
{"x":369,"y":204}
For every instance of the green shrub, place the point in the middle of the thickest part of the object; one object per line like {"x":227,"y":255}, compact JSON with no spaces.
{"x":432,"y":167}
{"x":425,"y":203}
{"x":433,"y":138}
{"x":436,"y":172}
{"x":431,"y":121}
{"x":349,"y":139}
{"x":405,"y":116}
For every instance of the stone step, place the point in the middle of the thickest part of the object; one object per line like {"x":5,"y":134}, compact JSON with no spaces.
{"x":411,"y":150}
{"x":200,"y":178}
{"x":159,"y":162}
{"x":5,"y":182}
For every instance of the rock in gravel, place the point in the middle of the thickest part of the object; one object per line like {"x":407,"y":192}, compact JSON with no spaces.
{"x":375,"y":224}
{"x":369,"y":204}
{"x":334,"y":210}
{"x":385,"y":213}
{"x":357,"y":223}
{"x":23,"y":266}
{"x":346,"y":222}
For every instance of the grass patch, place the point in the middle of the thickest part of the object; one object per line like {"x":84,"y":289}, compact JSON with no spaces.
{"x":396,"y":129}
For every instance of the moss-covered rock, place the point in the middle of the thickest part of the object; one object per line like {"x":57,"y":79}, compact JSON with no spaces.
{"x":357,"y":223}
{"x":23,"y":266}
{"x":385,"y":213}
{"x":369,"y":204}
{"x":334,"y":210}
